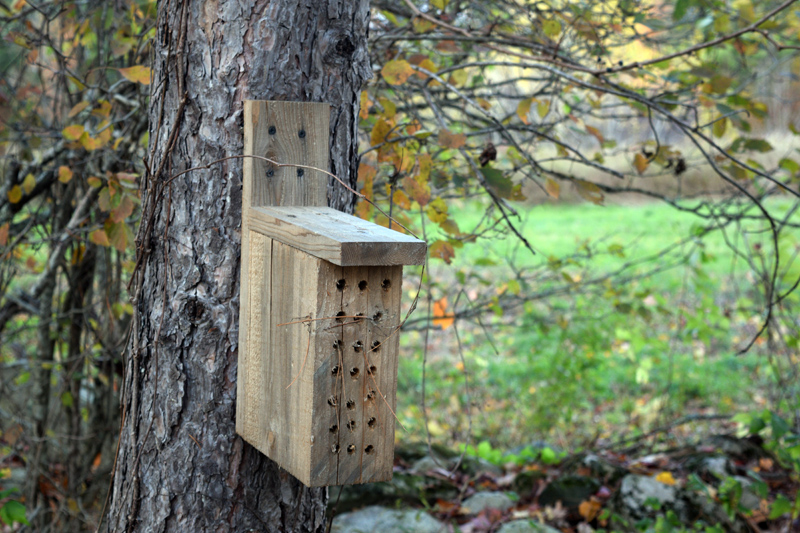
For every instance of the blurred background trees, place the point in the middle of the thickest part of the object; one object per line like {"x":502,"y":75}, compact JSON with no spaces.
{"x":609,"y":191}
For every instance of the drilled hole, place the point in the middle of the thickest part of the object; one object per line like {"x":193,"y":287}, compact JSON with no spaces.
{"x":337,"y":344}
{"x":369,"y":449}
{"x":351,"y":404}
{"x":339,"y":316}
{"x":371,"y":422}
{"x":371,"y":370}
{"x":371,"y":395}
{"x":358,"y":346}
{"x":341,"y":284}
{"x":272,"y":130}
{"x":351,"y":449}
{"x":377,"y":316}
{"x":335,"y":448}
{"x":359,"y":317}
{"x":351,"y":425}
{"x":332,"y":401}
{"x":376,"y":345}
{"x":354,"y":372}
{"x":387,"y":284}
{"x":362,"y":285}
{"x":335,"y":370}
{"x":334,"y":428}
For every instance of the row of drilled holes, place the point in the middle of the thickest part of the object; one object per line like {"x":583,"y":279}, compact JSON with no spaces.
{"x":350,"y":403}
{"x":351,"y":425}
{"x":351,"y":449}
{"x":358,"y":346}
{"x":355,"y":371}
{"x":340,"y":316}
{"x":363,"y":285}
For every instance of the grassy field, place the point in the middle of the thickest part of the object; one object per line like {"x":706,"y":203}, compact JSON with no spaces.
{"x":587,"y":364}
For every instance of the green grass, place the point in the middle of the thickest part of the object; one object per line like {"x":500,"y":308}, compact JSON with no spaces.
{"x":587,"y":364}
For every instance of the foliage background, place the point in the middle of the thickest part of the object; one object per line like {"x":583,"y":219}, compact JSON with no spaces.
{"x":608,"y":190}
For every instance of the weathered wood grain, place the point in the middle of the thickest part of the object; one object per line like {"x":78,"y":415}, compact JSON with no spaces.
{"x":337,"y":237}
{"x":289,"y":133}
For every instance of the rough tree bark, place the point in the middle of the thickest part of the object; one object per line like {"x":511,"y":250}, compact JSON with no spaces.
{"x":181,"y":466}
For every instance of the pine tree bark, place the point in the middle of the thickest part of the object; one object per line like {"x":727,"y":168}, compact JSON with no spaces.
{"x":180,"y":466}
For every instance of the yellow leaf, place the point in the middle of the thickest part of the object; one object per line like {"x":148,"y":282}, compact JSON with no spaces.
{"x":440,"y":317}
{"x":28,"y":183}
{"x":428,"y":65}
{"x":437,"y":210}
{"x":389,"y":108}
{"x":4,"y":234}
{"x":459,"y":77}
{"x":484,"y":103}
{"x":552,"y":187}
{"x":137,"y":74}
{"x":543,"y":108}
{"x":442,"y":250}
{"x":363,"y":112}
{"x":15,"y":194}
{"x":99,"y":237}
{"x":666,"y":478}
{"x":397,"y":71}
{"x":73,"y":132}
{"x":77,"y":108}
{"x":447,"y":139}
{"x":640,"y":162}
{"x":523,"y":108}
{"x":64,"y":174}
{"x":589,"y":191}
{"x":379,"y":131}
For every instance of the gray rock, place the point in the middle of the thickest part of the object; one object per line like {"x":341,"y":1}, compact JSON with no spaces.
{"x":487,"y":500}
{"x":526,"y":526}
{"x":377,"y":519}
{"x":750,"y":499}
{"x":719,"y":467}
{"x":428,"y":463}
{"x":636,"y":493}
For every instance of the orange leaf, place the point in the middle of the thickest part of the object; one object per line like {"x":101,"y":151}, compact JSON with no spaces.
{"x":4,"y":234}
{"x":99,"y":237}
{"x":447,"y":139}
{"x":596,"y":134}
{"x":443,"y":250}
{"x":552,"y":187}
{"x":589,"y":509}
{"x":77,"y":108}
{"x":397,"y":71}
{"x":137,"y":74}
{"x":64,"y":174}
{"x":440,"y":316}
{"x":640,"y":162}
{"x":363,"y":112}
{"x":72,"y":133}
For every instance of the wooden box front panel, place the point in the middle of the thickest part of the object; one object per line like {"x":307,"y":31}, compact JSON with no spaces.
{"x":318,"y":364}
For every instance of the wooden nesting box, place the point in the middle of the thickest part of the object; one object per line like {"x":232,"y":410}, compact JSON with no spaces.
{"x":319,"y":310}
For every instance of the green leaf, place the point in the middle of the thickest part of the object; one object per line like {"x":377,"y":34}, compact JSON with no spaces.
{"x":779,"y":426}
{"x":499,"y":184}
{"x":680,"y":9}
{"x":13,"y":511}
{"x":758,"y":145}
{"x":780,"y":507}
{"x":551,"y":28}
{"x":67,"y":400}
{"x":549,"y":456}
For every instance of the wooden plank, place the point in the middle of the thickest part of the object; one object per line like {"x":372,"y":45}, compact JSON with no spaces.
{"x":289,"y":133}
{"x":354,"y":306}
{"x":337,"y":237}
{"x":383,"y":312}
{"x":253,"y":334}
{"x":327,"y":404}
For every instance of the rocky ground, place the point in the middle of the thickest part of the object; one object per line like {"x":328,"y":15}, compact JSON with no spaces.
{"x":722,"y":484}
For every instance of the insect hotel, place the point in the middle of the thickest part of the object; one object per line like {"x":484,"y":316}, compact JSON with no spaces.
{"x":319,"y":309}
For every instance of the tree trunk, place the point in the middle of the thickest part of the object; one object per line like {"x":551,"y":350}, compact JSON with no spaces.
{"x":181,"y":467}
